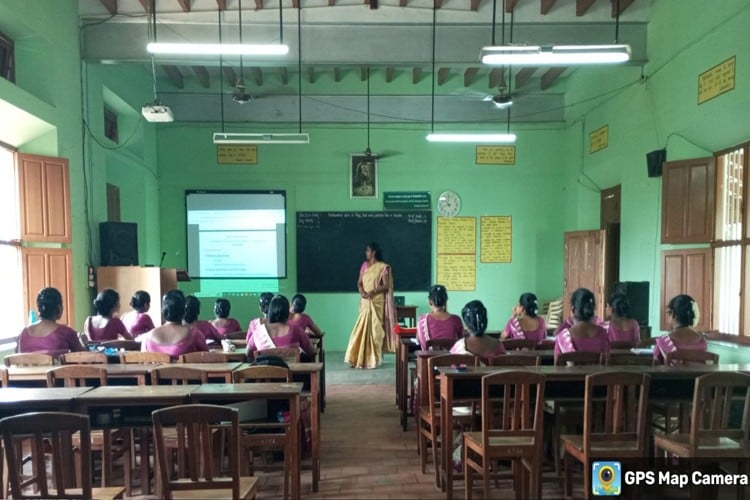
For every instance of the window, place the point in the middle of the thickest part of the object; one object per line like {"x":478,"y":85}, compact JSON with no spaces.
{"x":110,"y":125}
{"x":11,"y":301}
{"x":7,"y":59}
{"x":731,"y":246}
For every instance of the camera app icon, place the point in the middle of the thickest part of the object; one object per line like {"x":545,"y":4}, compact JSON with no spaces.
{"x":606,"y":479}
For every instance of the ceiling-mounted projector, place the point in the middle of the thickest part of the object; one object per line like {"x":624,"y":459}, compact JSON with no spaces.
{"x":157,"y":112}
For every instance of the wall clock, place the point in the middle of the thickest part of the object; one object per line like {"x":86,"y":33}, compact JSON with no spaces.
{"x":449,"y":204}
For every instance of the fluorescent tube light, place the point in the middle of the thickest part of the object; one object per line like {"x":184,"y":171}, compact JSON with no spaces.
{"x":469,"y":137}
{"x":225,"y":49}
{"x":556,"y":55}
{"x":222,"y":138}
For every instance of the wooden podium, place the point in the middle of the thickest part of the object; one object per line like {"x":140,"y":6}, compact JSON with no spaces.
{"x":129,"y":279}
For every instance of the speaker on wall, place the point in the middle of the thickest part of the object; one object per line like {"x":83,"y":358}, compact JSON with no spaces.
{"x":118,"y":242}
{"x":654,"y":159}
{"x":637,"y":293}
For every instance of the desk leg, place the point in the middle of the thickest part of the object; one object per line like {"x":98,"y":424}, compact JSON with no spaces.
{"x":322,"y":359}
{"x":403,"y":381}
{"x":398,"y":375}
{"x":315,"y":417}
{"x":296,"y":444}
{"x":446,"y":446}
{"x":143,"y":433}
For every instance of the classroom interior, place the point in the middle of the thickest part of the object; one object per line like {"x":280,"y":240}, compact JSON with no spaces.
{"x":63,"y":88}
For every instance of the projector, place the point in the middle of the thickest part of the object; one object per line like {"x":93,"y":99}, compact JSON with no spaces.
{"x":157,"y":112}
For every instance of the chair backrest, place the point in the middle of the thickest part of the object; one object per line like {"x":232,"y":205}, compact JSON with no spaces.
{"x":178,"y":375}
{"x":553,"y":315}
{"x":288,"y":354}
{"x":76,"y":375}
{"x":41,"y":435}
{"x":545,"y":345}
{"x":621,"y":344}
{"x":518,"y":344}
{"x":615,"y":407}
{"x":122,"y":344}
{"x":262,"y":374}
{"x":514,"y":360}
{"x":4,"y":379}
{"x":444,"y":360}
{"x":145,"y":357}
{"x":629,"y":359}
{"x":578,"y":358}
{"x":690,"y":357}
{"x":83,"y":358}
{"x":203,"y":357}
{"x":195,"y":442}
{"x":713,"y":415}
{"x":440,"y":344}
{"x":29,"y":359}
{"x":512,"y":406}
{"x":235,"y":335}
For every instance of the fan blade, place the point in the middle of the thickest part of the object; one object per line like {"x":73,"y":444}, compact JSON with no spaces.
{"x":386,"y":154}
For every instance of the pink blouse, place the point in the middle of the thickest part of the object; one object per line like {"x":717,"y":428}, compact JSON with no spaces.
{"x":231,"y":325}
{"x":570,"y":321}
{"x":631,"y":334}
{"x":137,"y":322}
{"x":665,"y":344}
{"x":302,"y":320}
{"x":194,"y":342}
{"x":429,"y":328}
{"x":207,"y":330}
{"x":109,"y":332}
{"x":460,"y":348}
{"x":60,"y":340}
{"x":295,"y":337}
{"x":254,"y":323}
{"x":517,"y":332}
{"x":565,"y":342}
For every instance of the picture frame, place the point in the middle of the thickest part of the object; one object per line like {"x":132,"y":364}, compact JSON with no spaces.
{"x":363,"y":176}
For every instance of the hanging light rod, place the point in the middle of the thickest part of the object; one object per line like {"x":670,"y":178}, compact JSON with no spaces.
{"x":470,"y":137}
{"x":224,"y":49}
{"x":562,"y":55}
{"x":228,"y":138}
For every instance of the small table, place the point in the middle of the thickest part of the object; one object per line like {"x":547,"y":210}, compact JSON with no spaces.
{"x":135,"y":371}
{"x":407,"y":312}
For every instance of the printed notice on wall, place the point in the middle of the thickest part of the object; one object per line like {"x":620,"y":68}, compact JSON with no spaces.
{"x":716,"y":80}
{"x":495,"y":239}
{"x":237,"y":154}
{"x":457,"y":235}
{"x":457,"y":272}
{"x":496,"y":155}
{"x":599,"y":139}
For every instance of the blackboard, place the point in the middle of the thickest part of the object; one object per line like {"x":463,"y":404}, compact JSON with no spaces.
{"x":331,"y":248}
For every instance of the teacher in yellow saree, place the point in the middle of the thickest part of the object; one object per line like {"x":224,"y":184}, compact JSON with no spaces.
{"x":373,"y":331}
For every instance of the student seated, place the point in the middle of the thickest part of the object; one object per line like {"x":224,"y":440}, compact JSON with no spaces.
{"x":47,"y":336}
{"x":585,"y":334}
{"x":477,"y":343}
{"x":222,"y":322}
{"x":438,"y":323}
{"x":192,"y":310}
{"x":621,"y":327}
{"x":525,"y":322}
{"x":173,"y":337}
{"x":137,"y":321}
{"x":105,"y":325}
{"x":683,"y":314}
{"x":570,"y":320}
{"x":298,"y":317}
{"x":263,"y":303}
{"x":275,"y":332}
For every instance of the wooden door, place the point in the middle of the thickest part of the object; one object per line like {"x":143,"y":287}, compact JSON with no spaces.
{"x":49,"y":267}
{"x":44,"y":184}
{"x":585,"y":266}
{"x":689,"y":272}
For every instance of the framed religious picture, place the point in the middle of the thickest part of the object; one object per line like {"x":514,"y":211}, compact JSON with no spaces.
{"x":363,"y":176}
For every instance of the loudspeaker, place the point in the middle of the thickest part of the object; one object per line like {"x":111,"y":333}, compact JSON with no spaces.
{"x":654,"y":159}
{"x":637,"y":293}
{"x":118,"y":242}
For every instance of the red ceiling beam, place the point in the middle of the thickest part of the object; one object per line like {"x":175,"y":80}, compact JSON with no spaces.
{"x":496,"y":77}
{"x":549,"y":77}
{"x":546,"y":6}
{"x":174,"y":74}
{"x":221,"y":4}
{"x":510,"y":5}
{"x":416,"y":75}
{"x":201,"y":74}
{"x":523,"y":76}
{"x":110,"y":5}
{"x":443,"y":74}
{"x":469,"y":75}
{"x":582,"y":6}
{"x":185,"y":5}
{"x":624,"y":4}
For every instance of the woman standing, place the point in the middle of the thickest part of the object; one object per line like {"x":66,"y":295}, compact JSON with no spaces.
{"x":683,"y":314}
{"x":438,"y":323}
{"x":372,"y":333}
{"x":525,"y":322}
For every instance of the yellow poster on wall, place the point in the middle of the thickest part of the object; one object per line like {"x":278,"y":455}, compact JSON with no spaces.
{"x":495,"y":239}
{"x":717,"y":80}
{"x":457,"y":272}
{"x":457,"y":235}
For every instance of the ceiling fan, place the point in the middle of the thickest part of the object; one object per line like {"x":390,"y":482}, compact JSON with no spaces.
{"x":368,"y":154}
{"x":238,"y":94}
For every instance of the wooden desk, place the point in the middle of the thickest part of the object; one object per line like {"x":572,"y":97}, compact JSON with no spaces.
{"x":15,"y":400}
{"x":402,"y":374}
{"x":407,"y":312}
{"x":232,"y":393}
{"x":214,"y":370}
{"x":321,"y":359}
{"x":667,"y":382}
{"x":135,"y":371}
{"x":232,"y":356}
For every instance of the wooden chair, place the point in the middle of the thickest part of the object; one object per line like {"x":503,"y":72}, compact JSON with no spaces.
{"x":203,"y":357}
{"x":567,"y":413}
{"x":4,"y":382}
{"x":687,"y":357}
{"x":262,"y":373}
{"x":511,"y":430}
{"x":545,"y":345}
{"x":614,"y":427}
{"x":236,"y":335}
{"x":122,"y":344}
{"x":519,"y":344}
{"x":621,"y":344}
{"x":428,"y":429}
{"x":440,"y":344}
{"x":154,"y":358}
{"x":83,"y":358}
{"x":51,"y":433}
{"x":288,"y":354}
{"x":714,"y":435}
{"x":629,"y":359}
{"x":195,"y":424}
{"x":178,"y":375}
{"x":515,"y":360}
{"x":111,"y":443}
{"x":29,"y":359}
